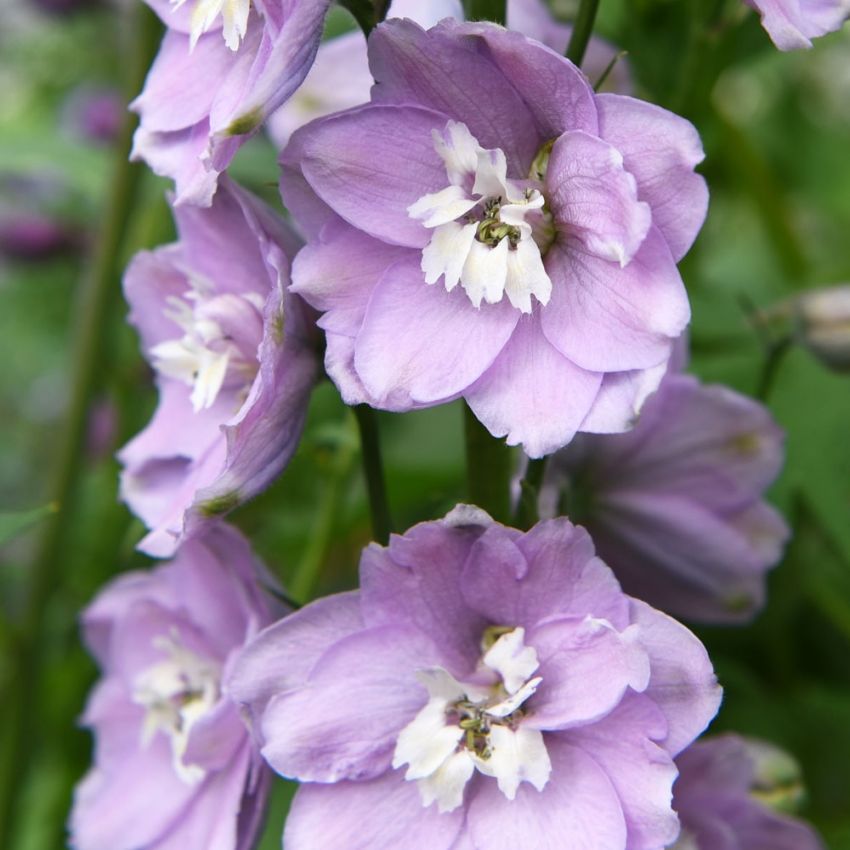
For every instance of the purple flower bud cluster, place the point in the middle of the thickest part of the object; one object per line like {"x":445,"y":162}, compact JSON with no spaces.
{"x":468,"y":218}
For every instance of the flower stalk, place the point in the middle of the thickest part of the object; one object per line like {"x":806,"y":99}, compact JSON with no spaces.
{"x":582,"y":30}
{"x":373,"y":469}
{"x":486,"y":10}
{"x":489,"y":463}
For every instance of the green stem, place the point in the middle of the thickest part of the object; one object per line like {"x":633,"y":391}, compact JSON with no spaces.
{"x":526,"y":510}
{"x":582,"y":30}
{"x":486,"y":10}
{"x":774,"y":356}
{"x":373,"y":468}
{"x":367,"y":13}
{"x":96,"y":298}
{"x":489,"y":464}
{"x":303,"y":582}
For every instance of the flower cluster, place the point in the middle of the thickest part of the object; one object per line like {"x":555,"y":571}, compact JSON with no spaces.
{"x":469,"y":215}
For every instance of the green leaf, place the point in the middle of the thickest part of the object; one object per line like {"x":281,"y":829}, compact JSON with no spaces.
{"x":13,"y":523}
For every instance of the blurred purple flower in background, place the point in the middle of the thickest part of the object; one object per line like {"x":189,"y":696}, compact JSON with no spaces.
{"x":561,"y":214}
{"x":675,"y":506}
{"x":485,"y":688}
{"x":174,"y":766}
{"x":235,"y":358}
{"x":727,"y":792}
{"x":340,"y":77}
{"x":793,"y":23}
{"x":224,"y":66}
{"x":95,"y":114}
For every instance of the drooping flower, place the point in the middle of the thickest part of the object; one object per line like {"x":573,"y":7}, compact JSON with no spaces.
{"x":485,"y":688}
{"x":676,"y":505}
{"x":792,"y":24}
{"x":734,"y":794}
{"x":174,"y":766}
{"x":488,"y":227}
{"x":235,"y":361}
{"x":224,"y":66}
{"x":340,"y":77}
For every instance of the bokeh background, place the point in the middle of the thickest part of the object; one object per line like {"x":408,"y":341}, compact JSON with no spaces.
{"x":777,"y":133}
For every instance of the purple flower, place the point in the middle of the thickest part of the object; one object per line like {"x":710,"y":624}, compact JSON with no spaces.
{"x":235,"y":363}
{"x":223,"y":68}
{"x":175,"y":768}
{"x":793,"y":23}
{"x":340,"y":77}
{"x":676,"y":506}
{"x":490,"y":228}
{"x":722,"y":796}
{"x":485,"y":688}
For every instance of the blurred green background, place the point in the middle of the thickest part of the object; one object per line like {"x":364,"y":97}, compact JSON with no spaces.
{"x":777,"y":133}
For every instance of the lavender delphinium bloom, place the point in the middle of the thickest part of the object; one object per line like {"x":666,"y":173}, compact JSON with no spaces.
{"x":224,"y":66}
{"x":340,"y":77}
{"x":235,"y":360}
{"x":723,"y":793}
{"x":485,"y":689}
{"x":676,"y":506}
{"x":174,"y":766}
{"x":489,"y":228}
{"x":792,"y":24}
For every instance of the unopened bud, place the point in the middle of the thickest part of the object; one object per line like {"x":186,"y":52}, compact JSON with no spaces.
{"x":823,"y":325}
{"x":777,"y":779}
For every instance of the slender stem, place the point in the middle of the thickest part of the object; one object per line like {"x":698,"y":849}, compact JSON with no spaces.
{"x":93,"y":310}
{"x":582,"y":30}
{"x":774,"y":356}
{"x":489,"y":464}
{"x":486,"y":10}
{"x":529,"y":489}
{"x":367,"y":13}
{"x":303,"y":582}
{"x":373,"y":468}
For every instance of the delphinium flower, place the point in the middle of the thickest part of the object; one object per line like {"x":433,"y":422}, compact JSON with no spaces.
{"x":224,"y":66}
{"x":489,"y":228}
{"x":676,"y":506}
{"x":235,"y":360}
{"x":340,"y":77}
{"x":732,"y":794}
{"x":174,"y":767}
{"x":485,"y":688}
{"x":792,"y":24}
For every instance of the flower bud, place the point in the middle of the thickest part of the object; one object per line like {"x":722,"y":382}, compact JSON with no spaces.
{"x":823,"y":325}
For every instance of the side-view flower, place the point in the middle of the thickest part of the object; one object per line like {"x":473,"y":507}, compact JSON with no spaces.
{"x":254,"y":54}
{"x":793,"y":24}
{"x":731,"y":795}
{"x":235,"y":358}
{"x":516,"y":246}
{"x":675,"y":506}
{"x":485,"y":688}
{"x":174,"y":766}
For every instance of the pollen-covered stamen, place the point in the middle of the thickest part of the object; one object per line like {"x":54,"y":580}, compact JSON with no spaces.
{"x":177,"y":692}
{"x":234,"y":19}
{"x":489,"y":231}
{"x":218,"y":348}
{"x":466,"y":727}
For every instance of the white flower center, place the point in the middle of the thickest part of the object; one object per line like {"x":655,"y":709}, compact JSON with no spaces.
{"x":234,"y":19}
{"x":486,"y":227}
{"x":218,"y":348}
{"x":464,"y":727}
{"x":176,"y":693}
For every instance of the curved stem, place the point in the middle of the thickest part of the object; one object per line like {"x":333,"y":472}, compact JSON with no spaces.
{"x":582,"y":30}
{"x":93,"y":311}
{"x":489,"y":464}
{"x":774,"y":356}
{"x":373,"y":468}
